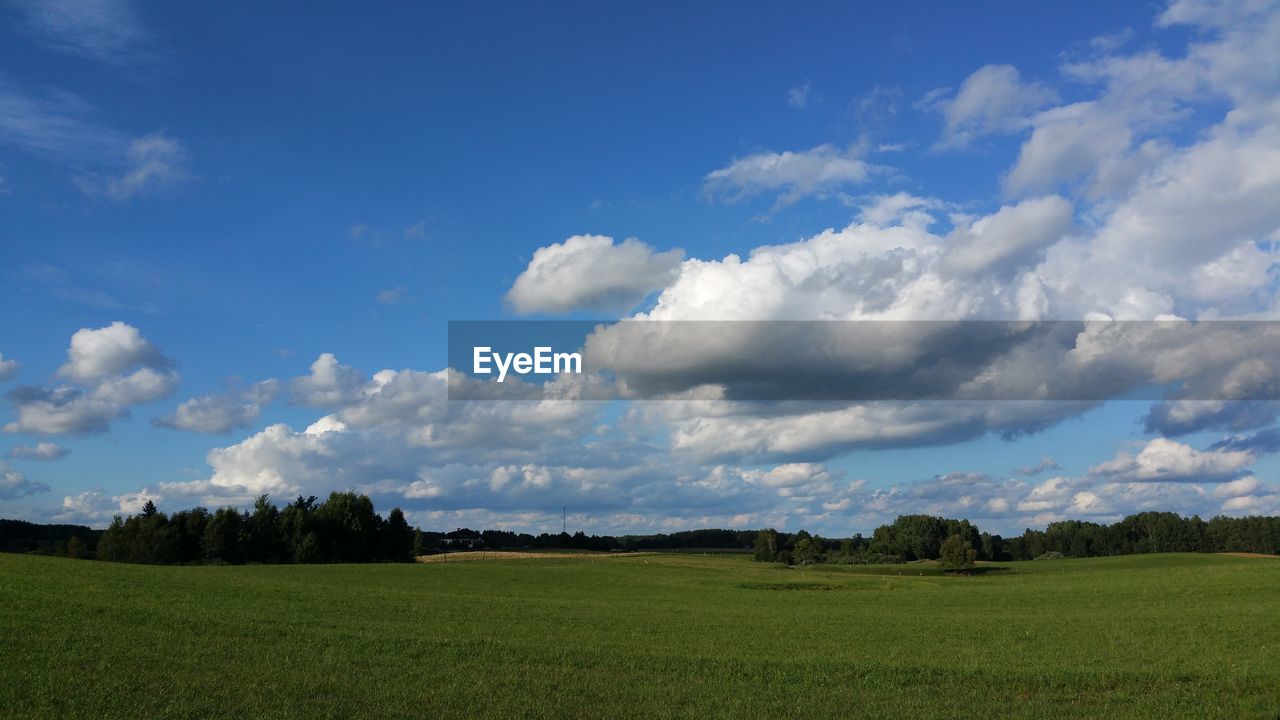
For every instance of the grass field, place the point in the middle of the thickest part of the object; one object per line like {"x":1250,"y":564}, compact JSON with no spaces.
{"x":1156,"y":636}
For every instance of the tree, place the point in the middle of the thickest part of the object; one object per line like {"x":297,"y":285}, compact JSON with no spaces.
{"x":265,"y":537}
{"x":76,"y":548}
{"x":222,"y":536}
{"x":808,"y":550}
{"x":956,"y":554}
{"x":397,"y":538}
{"x":348,"y":528}
{"x":112,"y":545}
{"x":766,"y":546}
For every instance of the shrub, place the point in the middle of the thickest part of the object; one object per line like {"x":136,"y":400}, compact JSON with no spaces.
{"x":957,"y":554}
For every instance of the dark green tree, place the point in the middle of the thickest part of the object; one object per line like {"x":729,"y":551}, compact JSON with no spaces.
{"x":264,"y":534}
{"x":222,"y":536}
{"x":808,"y":550}
{"x":397,"y":538}
{"x":956,"y":554}
{"x":765,"y":546}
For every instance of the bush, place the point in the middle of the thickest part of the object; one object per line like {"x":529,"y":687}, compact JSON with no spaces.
{"x":1051,"y":555}
{"x":956,"y":554}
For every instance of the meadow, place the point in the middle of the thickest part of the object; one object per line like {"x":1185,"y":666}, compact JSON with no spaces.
{"x":643,"y":635}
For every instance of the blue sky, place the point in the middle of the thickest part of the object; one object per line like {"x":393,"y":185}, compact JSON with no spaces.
{"x":245,"y":189}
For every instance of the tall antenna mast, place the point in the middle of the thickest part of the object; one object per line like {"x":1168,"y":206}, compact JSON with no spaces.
{"x":564,"y":519}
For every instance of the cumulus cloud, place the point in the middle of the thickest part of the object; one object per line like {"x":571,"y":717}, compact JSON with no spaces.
{"x":329,"y":384}
{"x":791,"y":175}
{"x":792,"y":474}
{"x":1246,"y":485}
{"x":8,"y":368}
{"x":994,"y":99}
{"x":1009,"y":239}
{"x":97,"y":354}
{"x":899,"y":208}
{"x":222,"y":413}
{"x":1147,"y":92}
{"x":14,"y":485}
{"x":39,"y":451}
{"x":60,"y":410}
{"x":1164,"y":460}
{"x":95,"y":507}
{"x":115,"y":368}
{"x":591,"y":272}
{"x":1264,"y":442}
{"x":1148,"y":196}
{"x":1008,"y":505}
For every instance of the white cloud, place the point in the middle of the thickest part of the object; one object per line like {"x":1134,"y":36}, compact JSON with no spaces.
{"x":39,"y":451}
{"x":381,"y":236}
{"x":97,"y":354}
{"x":330,"y":383}
{"x":877,"y":106}
{"x":1009,"y":239}
{"x":222,"y":413}
{"x":1164,"y":460}
{"x":97,"y":508}
{"x":60,"y":410}
{"x":393,"y":296}
{"x":143,"y":385}
{"x":591,"y":272}
{"x":14,"y":485}
{"x":794,"y":175}
{"x":1246,"y":485}
{"x":54,"y":124}
{"x":63,"y":127}
{"x":798,"y":97}
{"x":1045,"y":464}
{"x":994,"y":99}
{"x":104,"y":30}
{"x":1180,"y":417}
{"x":8,"y":368}
{"x":901,"y":207}
{"x":152,"y":163}
{"x":1159,"y":212}
{"x":117,"y":368}
{"x":793,"y":474}
{"x":1068,"y":142}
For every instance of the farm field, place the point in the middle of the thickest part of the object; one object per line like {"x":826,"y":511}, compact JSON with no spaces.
{"x":1152,"y":636}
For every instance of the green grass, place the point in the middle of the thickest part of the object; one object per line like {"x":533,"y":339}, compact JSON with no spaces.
{"x":1157,"y":636}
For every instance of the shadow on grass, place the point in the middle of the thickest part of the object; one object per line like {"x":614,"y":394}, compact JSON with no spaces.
{"x":980,"y":570}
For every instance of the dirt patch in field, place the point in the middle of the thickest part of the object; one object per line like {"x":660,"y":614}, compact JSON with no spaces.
{"x":514,"y":555}
{"x":1252,"y":555}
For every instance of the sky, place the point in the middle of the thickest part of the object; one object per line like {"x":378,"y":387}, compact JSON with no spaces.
{"x":232,"y":238}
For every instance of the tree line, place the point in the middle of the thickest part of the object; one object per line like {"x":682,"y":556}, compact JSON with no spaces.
{"x":708,"y":538}
{"x":924,"y":537}
{"x":345,"y":528}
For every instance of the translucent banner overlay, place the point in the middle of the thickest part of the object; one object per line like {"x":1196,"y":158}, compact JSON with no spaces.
{"x":865,"y":360}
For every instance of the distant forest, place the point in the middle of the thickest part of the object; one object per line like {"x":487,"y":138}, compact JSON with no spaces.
{"x":346,"y":529}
